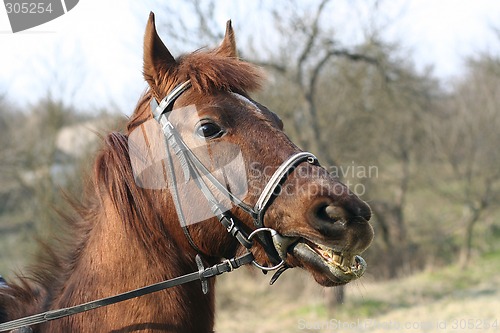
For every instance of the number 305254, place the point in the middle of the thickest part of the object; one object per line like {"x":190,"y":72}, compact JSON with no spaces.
{"x":28,"y":8}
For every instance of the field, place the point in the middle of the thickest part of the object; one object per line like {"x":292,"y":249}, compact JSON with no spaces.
{"x":448,"y":299}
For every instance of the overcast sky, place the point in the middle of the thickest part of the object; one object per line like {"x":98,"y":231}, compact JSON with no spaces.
{"x":93,"y":53}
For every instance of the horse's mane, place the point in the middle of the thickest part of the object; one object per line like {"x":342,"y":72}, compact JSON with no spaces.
{"x":113,"y":178}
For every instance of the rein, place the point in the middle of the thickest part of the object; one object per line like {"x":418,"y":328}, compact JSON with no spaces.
{"x":273,"y":243}
{"x":202,"y":274}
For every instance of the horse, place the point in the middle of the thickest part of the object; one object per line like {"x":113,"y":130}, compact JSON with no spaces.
{"x":128,"y":234}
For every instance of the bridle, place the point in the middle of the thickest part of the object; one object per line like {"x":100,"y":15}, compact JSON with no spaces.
{"x":193,"y":168}
{"x":273,"y":243}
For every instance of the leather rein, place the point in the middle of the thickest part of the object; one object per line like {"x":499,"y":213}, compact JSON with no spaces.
{"x":273,"y":243}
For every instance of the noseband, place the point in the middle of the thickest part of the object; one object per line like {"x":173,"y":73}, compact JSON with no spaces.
{"x":192,"y":167}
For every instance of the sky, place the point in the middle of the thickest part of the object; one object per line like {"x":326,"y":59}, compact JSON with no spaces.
{"x":91,"y":57}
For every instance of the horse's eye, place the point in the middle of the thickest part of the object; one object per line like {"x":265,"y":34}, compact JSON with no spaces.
{"x":209,"y":130}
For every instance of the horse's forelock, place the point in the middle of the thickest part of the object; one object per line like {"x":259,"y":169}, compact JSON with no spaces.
{"x":210,"y":72}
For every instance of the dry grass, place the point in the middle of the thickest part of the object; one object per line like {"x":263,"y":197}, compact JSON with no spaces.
{"x":427,"y":301}
{"x":450,"y":299}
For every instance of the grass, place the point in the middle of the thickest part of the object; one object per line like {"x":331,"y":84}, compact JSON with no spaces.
{"x":366,"y":307}
{"x":318,"y":309}
{"x":446,"y":295}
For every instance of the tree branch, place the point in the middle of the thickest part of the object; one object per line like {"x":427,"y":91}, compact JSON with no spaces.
{"x":309,"y":44}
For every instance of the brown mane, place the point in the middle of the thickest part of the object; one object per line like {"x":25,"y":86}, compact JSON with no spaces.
{"x":112,"y":179}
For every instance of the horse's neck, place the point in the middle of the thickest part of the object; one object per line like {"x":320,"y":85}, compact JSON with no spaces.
{"x":113,"y":262}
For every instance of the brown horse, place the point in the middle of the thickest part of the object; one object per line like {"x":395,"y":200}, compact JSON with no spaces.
{"x":128,"y":236}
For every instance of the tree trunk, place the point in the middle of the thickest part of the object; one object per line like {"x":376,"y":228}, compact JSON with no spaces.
{"x":334,"y":298}
{"x":466,"y":251}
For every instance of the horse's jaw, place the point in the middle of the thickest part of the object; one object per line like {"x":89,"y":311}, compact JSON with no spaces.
{"x":330,"y":266}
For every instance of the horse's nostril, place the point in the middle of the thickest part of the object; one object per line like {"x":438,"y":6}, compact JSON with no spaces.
{"x":330,"y":213}
{"x":334,"y":212}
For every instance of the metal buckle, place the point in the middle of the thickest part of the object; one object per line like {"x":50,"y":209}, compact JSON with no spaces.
{"x":201,"y":270}
{"x":312,"y":160}
{"x":228,"y":262}
{"x":231,"y":226}
{"x":256,"y":264}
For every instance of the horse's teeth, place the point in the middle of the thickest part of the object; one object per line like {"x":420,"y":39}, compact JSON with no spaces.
{"x":337,"y":258}
{"x":334,"y":257}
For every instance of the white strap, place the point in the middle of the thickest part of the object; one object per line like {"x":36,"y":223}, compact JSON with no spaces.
{"x":278,"y":175}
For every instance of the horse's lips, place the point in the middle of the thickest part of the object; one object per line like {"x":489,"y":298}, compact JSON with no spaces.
{"x":337,"y":273}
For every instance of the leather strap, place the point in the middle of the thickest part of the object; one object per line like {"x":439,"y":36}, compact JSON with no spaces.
{"x":272,"y":190}
{"x":193,"y":169}
{"x":202,"y":274}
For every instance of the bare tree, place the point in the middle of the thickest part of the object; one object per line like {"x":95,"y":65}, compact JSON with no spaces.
{"x":307,"y":45}
{"x":469,"y":123}
{"x":378,"y":119}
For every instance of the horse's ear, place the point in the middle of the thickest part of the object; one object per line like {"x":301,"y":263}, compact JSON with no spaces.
{"x":228,"y":45}
{"x":157,"y":57}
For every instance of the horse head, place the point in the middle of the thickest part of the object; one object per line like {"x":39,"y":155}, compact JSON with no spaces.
{"x":320,"y":224}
